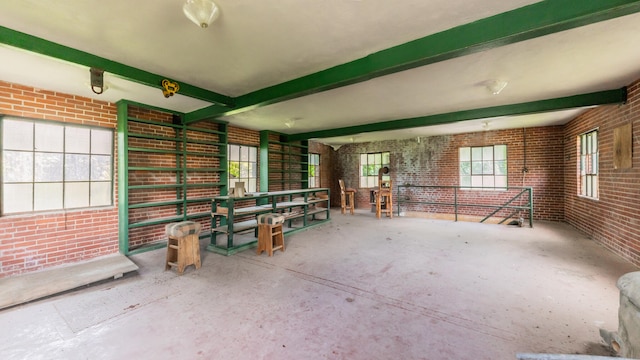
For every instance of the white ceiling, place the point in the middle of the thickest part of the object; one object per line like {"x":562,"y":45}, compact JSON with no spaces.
{"x":255,"y":44}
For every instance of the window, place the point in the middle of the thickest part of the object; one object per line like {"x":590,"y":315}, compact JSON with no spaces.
{"x":314,"y":170}
{"x":483,"y":167}
{"x":588,"y":164}
{"x":243,"y":166}
{"x":53,"y":166}
{"x":369,"y":166}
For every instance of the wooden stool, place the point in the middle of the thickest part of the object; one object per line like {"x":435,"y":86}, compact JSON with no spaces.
{"x":270,"y":235}
{"x":384,"y":193}
{"x":183,"y":246}
{"x":347,"y":198}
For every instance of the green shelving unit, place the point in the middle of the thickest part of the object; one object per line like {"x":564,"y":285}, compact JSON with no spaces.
{"x":167,"y":172}
{"x":283,"y":164}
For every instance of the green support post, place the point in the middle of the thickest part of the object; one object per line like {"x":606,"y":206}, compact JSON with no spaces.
{"x":264,"y":160}
{"x":123,"y":178}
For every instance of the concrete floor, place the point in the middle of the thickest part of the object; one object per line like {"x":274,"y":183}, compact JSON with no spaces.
{"x":354,"y":288}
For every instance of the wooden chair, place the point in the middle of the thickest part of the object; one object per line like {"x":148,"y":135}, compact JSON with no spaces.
{"x":384,"y":194}
{"x":347,"y":198}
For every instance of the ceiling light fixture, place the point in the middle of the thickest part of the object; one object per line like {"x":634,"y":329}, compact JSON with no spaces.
{"x":201,"y":12}
{"x":289,"y":123}
{"x":496,"y":86}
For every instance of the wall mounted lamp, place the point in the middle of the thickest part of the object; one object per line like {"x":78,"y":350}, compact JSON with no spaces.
{"x":97,"y":80}
{"x":201,"y":12}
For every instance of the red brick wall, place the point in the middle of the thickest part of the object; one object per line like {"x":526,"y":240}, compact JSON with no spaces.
{"x":613,"y":220}
{"x":37,"y":241}
{"x":434,"y":161}
{"x":326,"y":164}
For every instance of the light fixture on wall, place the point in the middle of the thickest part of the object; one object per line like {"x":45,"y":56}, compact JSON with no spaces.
{"x":97,"y":80}
{"x":495,"y":86}
{"x":201,"y":12}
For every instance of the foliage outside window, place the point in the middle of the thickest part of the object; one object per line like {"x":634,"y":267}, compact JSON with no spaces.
{"x":54,"y":166}
{"x":243,"y":166}
{"x":369,"y":165}
{"x":588,"y":164}
{"x":314,"y":170}
{"x":483,"y":167}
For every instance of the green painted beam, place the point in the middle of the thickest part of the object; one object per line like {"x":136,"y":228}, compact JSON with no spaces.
{"x":31,"y":43}
{"x":521,"y":24}
{"x":617,"y":96}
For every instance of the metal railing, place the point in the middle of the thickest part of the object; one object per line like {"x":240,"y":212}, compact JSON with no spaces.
{"x":498,"y":199}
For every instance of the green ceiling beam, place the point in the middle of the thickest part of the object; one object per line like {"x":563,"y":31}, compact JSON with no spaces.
{"x":617,"y":96}
{"x":31,"y":43}
{"x":521,"y":24}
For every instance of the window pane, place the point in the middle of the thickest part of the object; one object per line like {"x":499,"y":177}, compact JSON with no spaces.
{"x":18,"y":166}
{"x":487,"y":167}
{"x":101,"y":141}
{"x":465,"y":168}
{"x":244,"y":153}
{"x":363,"y":182}
{"x":476,"y":181}
{"x":234,"y":152}
{"x":76,"y":195}
{"x":48,"y":167}
{"x":377,"y":159}
{"x":244,"y":170}
{"x":363,"y":159}
{"x":253,"y":170}
{"x":77,"y":140}
{"x":501,"y":167}
{"x":100,"y":167}
{"x":476,"y":167}
{"x":17,"y":197}
{"x":465,"y":181}
{"x":372,"y":170}
{"x":252,"y":186}
{"x":312,"y":182}
{"x":487,"y":153}
{"x":49,"y":137}
{"x":47,"y":196}
{"x":487,"y":181}
{"x":371,"y":159}
{"x":385,"y":158}
{"x":465,"y":154}
{"x":476,"y":153}
{"x":500,"y":152}
{"x":76,"y":168}
{"x":100,"y":193}
{"x":501,"y":181}
{"x":17,"y":135}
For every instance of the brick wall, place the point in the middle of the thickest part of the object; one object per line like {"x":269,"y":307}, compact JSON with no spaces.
{"x":613,"y":220}
{"x":434,"y":161}
{"x":327,"y":180}
{"x":35,"y":241}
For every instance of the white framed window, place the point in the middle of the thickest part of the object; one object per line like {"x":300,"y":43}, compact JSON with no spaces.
{"x":243,"y":166}
{"x":588,"y":164}
{"x":370,"y":163}
{"x":53,"y":166}
{"x":314,"y":170}
{"x":483,"y":167}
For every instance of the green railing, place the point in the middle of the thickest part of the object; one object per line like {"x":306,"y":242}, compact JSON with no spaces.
{"x":515,"y":200}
